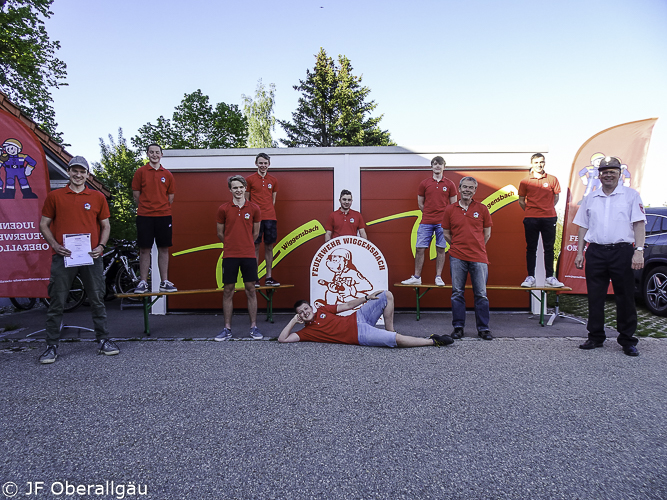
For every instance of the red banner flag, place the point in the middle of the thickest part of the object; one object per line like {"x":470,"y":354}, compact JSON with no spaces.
{"x":26,"y":256}
{"x":629,"y":143}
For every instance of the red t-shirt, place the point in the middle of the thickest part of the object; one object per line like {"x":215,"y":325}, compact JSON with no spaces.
{"x":539,"y":195}
{"x":341,"y":224}
{"x":467,"y":227}
{"x":327,"y":326}
{"x":261,"y":191}
{"x":76,"y":213}
{"x":436,"y":198}
{"x":154,"y":186}
{"x":238,"y":223}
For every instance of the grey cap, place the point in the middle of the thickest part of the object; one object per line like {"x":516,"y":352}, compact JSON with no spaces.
{"x":610,"y":162}
{"x":79,"y":161}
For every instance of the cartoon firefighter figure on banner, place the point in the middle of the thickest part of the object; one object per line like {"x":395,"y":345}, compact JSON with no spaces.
{"x":346,"y":268}
{"x":589,"y":175}
{"x":18,"y":168}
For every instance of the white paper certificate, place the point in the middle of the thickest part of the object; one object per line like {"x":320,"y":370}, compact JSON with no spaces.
{"x":79,"y":245}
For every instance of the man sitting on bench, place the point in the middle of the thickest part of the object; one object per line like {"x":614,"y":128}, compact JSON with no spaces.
{"x":324,"y":324}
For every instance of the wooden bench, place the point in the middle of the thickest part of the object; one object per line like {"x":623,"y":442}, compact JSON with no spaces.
{"x":542,"y":296}
{"x":148,"y":303}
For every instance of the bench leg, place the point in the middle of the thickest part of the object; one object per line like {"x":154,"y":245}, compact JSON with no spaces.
{"x":269,"y":303}
{"x":419,"y":296}
{"x":147,"y":305}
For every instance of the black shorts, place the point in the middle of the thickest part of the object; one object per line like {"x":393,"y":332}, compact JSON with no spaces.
{"x":156,"y":229}
{"x":231,"y":266}
{"x":268,"y":229}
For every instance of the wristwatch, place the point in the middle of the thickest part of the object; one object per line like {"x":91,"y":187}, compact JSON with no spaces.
{"x":641,"y":249}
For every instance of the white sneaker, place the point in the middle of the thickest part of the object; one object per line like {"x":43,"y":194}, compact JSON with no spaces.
{"x":439,"y":281}
{"x":412,"y":281}
{"x":529,"y":282}
{"x":553,"y":283}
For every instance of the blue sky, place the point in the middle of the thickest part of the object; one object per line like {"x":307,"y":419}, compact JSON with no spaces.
{"x":444,"y":73}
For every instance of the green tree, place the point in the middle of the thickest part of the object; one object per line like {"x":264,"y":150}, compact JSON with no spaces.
{"x":333,"y":109}
{"x":116,"y":170}
{"x":196,"y":124}
{"x":28,"y":65}
{"x":259,"y":114}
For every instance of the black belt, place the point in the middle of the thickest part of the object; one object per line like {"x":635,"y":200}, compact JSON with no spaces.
{"x":612,"y":245}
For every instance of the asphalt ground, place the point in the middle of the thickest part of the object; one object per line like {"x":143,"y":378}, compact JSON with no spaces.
{"x":528,"y":415}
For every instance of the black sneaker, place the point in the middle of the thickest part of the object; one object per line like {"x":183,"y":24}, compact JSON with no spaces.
{"x":49,"y":355}
{"x":441,"y":340}
{"x":271,"y":282}
{"x":458,"y":332}
{"x":107,"y":348}
{"x":485,"y":335}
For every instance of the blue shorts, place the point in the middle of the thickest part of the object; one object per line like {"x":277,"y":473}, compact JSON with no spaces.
{"x":367,"y":316}
{"x":425,"y":233}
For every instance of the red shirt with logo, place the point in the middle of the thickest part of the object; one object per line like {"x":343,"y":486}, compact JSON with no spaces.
{"x":76,"y":213}
{"x":467,"y":227}
{"x":327,"y":326}
{"x":261,"y":191}
{"x":436,"y":198}
{"x":342,"y":224}
{"x":540,"y":193}
{"x":154,"y":187}
{"x":239,"y":222}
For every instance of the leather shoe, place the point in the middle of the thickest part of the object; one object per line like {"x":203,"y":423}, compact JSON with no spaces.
{"x":630,"y":350}
{"x":485,"y":334}
{"x":458,"y":332}
{"x":591,"y":344}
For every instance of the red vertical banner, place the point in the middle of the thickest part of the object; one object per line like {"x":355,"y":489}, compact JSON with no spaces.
{"x":629,"y":143}
{"x":24,"y":184}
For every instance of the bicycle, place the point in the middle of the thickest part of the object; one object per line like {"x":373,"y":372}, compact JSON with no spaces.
{"x":121,"y":272}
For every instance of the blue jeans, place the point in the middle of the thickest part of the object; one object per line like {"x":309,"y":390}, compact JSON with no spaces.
{"x":479,"y":274}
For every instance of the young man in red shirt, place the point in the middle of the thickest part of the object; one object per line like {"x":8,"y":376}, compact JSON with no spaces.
{"x":433,"y":196}
{"x":153,"y":188}
{"x":324,"y":324}
{"x":262,"y":190}
{"x":76,"y":210}
{"x":238,"y":226}
{"x":345,"y":221}
{"x":467,"y":227}
{"x":538,"y":195}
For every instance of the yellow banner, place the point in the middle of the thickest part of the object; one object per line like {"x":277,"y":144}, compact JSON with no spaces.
{"x":501,"y":198}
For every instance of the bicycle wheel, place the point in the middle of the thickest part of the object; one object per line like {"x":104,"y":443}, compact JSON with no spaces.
{"x":127,"y":280}
{"x":75,"y":297}
{"x":23,"y":303}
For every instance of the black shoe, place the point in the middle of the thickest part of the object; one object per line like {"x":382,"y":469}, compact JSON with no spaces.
{"x":271,"y":282}
{"x":49,"y":355}
{"x":441,"y":340}
{"x":107,"y":348}
{"x":591,"y":344}
{"x":485,"y":335}
{"x":458,"y":332}
{"x":630,"y":350}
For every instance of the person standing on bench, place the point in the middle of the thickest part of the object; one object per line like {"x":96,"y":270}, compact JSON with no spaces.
{"x":538,"y":195}
{"x":467,"y":229}
{"x":612,"y":221}
{"x":238,"y":227}
{"x":153,"y":188}
{"x":78,"y":211}
{"x":345,"y":221}
{"x":433,"y":196}
{"x":262,"y":190}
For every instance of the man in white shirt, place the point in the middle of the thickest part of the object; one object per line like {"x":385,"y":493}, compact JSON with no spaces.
{"x":611,"y":220}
